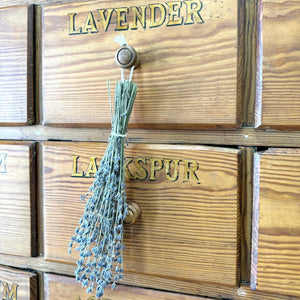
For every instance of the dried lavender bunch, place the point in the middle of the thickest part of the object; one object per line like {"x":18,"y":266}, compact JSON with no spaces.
{"x":99,"y":234}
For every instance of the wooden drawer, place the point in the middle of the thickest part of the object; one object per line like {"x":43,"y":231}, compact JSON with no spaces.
{"x":279,"y":65}
{"x":188,"y":72}
{"x":276,"y":227}
{"x":188,"y":195}
{"x":63,"y":287}
{"x":17,"y":198}
{"x":17,"y":285}
{"x":16,"y":65}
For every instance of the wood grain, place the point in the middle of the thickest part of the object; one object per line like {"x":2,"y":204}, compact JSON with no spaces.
{"x":245,"y":136}
{"x":17,"y":198}
{"x":278,"y":266}
{"x":16,"y":284}
{"x":16,"y":66}
{"x":9,"y":3}
{"x":63,"y":287}
{"x":188,"y":73}
{"x":193,"y":224}
{"x":248,"y":60}
{"x":280,"y":64}
{"x":246,"y":182}
{"x":201,"y":289}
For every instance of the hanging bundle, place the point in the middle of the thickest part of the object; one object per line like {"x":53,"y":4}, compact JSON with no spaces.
{"x":99,"y":234}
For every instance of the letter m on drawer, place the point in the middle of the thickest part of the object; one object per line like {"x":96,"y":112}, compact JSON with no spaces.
{"x":9,"y":293}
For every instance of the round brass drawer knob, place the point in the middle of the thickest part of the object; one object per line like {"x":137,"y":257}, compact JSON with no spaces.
{"x":134,"y":213}
{"x":126,"y":57}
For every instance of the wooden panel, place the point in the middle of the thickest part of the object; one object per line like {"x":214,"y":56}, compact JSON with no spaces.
{"x":191,"y":220}
{"x":277,"y":188}
{"x":246,"y":180}
{"x":245,"y":136}
{"x":17,"y":198}
{"x":188,"y":72}
{"x":242,"y":292}
{"x":280,"y":47}
{"x":16,"y":65}
{"x":63,"y":287}
{"x":17,"y":285}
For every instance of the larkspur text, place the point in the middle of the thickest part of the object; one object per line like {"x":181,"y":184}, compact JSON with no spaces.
{"x":145,"y":169}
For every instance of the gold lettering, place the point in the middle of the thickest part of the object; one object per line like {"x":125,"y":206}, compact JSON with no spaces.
{"x":3,"y":162}
{"x":105,"y":19}
{"x":156,"y":165}
{"x":144,"y":174}
{"x":175,"y":171}
{"x":153,"y":15}
{"x":9,"y":294}
{"x":92,"y":168}
{"x":154,"y":20}
{"x":72,"y":29}
{"x":174,"y":12}
{"x":90,"y":24}
{"x":193,"y":8}
{"x":190,"y":168}
{"x":141,"y":168}
{"x":121,"y":18}
{"x":137,"y":15}
{"x":74,"y":172}
{"x":128,"y":160}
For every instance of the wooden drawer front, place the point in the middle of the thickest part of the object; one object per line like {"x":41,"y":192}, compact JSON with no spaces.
{"x":16,"y":65}
{"x":17,"y":198}
{"x":189,"y":221}
{"x":188,"y":72}
{"x":63,"y":287}
{"x":280,"y":64}
{"x":17,"y":285}
{"x":277,"y":222}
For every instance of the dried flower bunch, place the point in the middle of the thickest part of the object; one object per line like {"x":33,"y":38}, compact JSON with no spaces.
{"x":99,"y":234}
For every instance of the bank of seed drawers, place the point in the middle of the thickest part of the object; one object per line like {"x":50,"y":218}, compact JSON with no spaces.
{"x":18,"y":235}
{"x":189,"y":229}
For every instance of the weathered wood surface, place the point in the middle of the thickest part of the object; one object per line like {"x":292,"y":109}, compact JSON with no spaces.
{"x":63,"y":287}
{"x":187,"y":77}
{"x":280,"y":51}
{"x":6,"y":3}
{"x":17,"y":198}
{"x":16,"y":66}
{"x":278,"y":180}
{"x":245,"y":136}
{"x":248,"y":87}
{"x":17,"y":285}
{"x":246,"y":181}
{"x":203,"y":289}
{"x":189,"y":226}
{"x":9,"y":3}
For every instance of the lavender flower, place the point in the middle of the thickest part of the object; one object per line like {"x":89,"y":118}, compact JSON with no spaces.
{"x":99,"y":234}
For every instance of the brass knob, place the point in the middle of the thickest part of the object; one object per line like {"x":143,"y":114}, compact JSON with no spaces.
{"x":134,"y":213}
{"x":126,"y":57}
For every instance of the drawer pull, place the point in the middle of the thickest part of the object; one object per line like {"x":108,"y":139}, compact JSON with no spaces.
{"x":126,"y":57}
{"x":134,"y":212}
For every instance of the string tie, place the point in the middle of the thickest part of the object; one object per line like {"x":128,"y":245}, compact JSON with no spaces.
{"x":118,"y":134}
